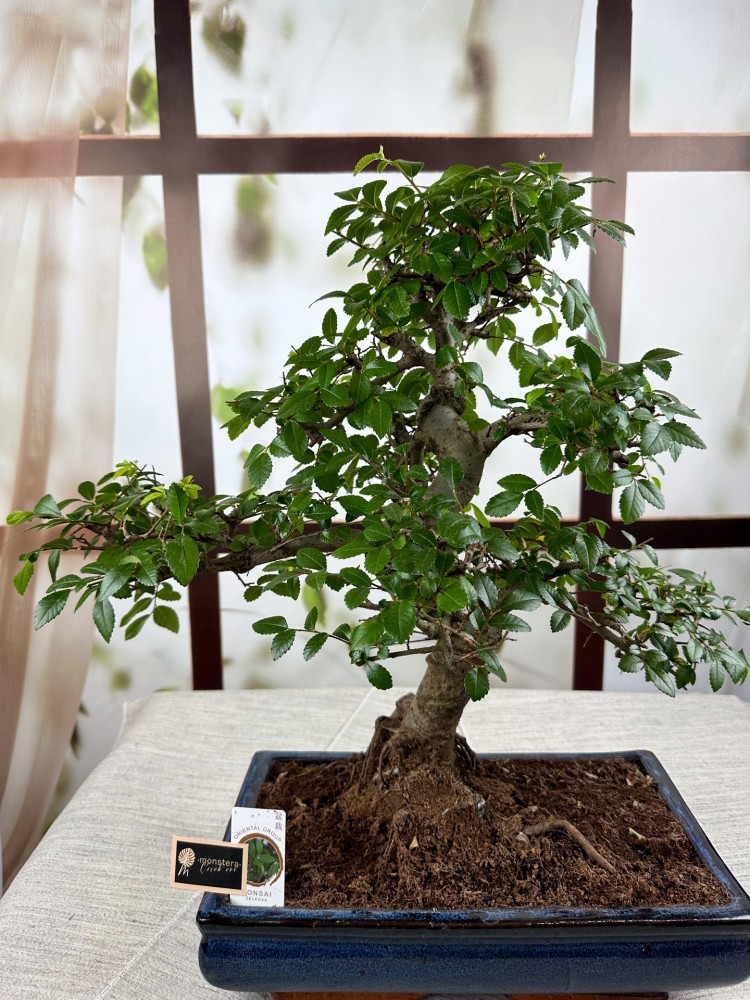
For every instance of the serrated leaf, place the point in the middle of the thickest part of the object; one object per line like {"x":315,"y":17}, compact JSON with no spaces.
{"x":50,"y":607}
{"x":503,"y":504}
{"x":663,"y":681}
{"x":477,"y":683}
{"x":629,"y":664}
{"x":378,"y":415}
{"x":87,"y":490}
{"x":114,"y":579}
{"x":282,"y":642}
{"x":295,"y":438}
{"x":22,"y":578}
{"x":588,"y":549}
{"x":517,"y":483}
{"x":632,"y":504}
{"x":177,"y":502}
{"x":47,"y":507}
{"x":18,"y":517}
{"x":510,"y":623}
{"x":355,"y":598}
{"x":378,"y":676}
{"x":451,"y":471}
{"x":183,"y":557}
{"x":312,"y":618}
{"x":451,"y":598}
{"x":655,"y":438}
{"x":313,"y":645}
{"x":258,"y":466}
{"x":684,"y":435}
{"x":650,"y":492}
{"x":456,"y":299}
{"x":104,"y":618}
{"x":309,"y":558}
{"x":399,"y":619}
{"x":135,"y":626}
{"x":335,"y":395}
{"x":366,"y":160}
{"x":166,"y":617}
{"x":559,"y":620}
{"x":269,"y":626}
{"x":490,"y":660}
{"x":716,"y":676}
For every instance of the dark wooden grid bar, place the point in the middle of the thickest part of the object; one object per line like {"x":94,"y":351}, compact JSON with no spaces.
{"x":183,"y":236}
{"x":180,"y":156}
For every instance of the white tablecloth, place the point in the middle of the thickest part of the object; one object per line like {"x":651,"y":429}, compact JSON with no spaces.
{"x":91,"y":915}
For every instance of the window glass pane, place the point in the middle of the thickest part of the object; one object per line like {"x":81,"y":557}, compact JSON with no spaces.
{"x":685,"y":288}
{"x":143,"y":109}
{"x":730,"y":571}
{"x":689,"y":66}
{"x":442,"y":66}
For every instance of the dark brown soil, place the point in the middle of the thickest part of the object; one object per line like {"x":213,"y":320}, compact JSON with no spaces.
{"x":428,"y":848}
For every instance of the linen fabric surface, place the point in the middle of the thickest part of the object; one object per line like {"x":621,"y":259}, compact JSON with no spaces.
{"x":91,"y":916}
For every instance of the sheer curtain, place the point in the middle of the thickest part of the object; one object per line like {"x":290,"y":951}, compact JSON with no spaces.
{"x":62,"y":66}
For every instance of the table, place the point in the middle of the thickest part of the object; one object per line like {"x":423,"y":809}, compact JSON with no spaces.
{"x":91,"y":916}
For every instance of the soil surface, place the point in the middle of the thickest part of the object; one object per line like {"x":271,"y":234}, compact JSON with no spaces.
{"x":439,"y":846}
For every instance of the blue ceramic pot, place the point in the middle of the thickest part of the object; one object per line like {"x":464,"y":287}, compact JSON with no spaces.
{"x":552,"y":950}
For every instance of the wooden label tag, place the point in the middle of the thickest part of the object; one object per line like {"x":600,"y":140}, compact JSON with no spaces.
{"x":209,"y":865}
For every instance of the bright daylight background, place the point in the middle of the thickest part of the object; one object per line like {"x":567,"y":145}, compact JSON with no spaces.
{"x":285,"y":68}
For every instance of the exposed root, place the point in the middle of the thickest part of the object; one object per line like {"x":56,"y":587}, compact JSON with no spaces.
{"x":575,"y":833}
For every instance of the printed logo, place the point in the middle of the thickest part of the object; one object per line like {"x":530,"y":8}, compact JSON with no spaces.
{"x":186,"y":857}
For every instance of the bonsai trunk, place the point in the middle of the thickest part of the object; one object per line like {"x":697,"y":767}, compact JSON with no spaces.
{"x":421,"y":732}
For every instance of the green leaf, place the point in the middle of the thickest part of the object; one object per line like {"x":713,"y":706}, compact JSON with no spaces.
{"x":50,"y":607}
{"x":629,"y":664}
{"x":366,"y":160}
{"x":632,"y":504}
{"x":281,"y":643}
{"x":451,"y":471}
{"x":588,"y":549}
{"x":517,"y":483}
{"x":23,"y":576}
{"x":294,"y":437}
{"x":356,"y":597}
{"x":716,"y":676}
{"x":503,"y":504}
{"x":183,"y":556}
{"x":167,"y":618}
{"x":87,"y":490}
{"x":378,"y":676}
{"x":685,"y":435}
{"x":313,"y":559}
{"x":451,"y":598}
{"x":104,"y":618}
{"x":47,"y":507}
{"x":399,"y":619}
{"x":18,"y":517}
{"x":378,"y":415}
{"x":456,"y":299}
{"x":559,"y":620}
{"x":313,"y":645}
{"x":177,"y":502}
{"x":269,"y":626}
{"x":491,"y":661}
{"x":258,"y":465}
{"x":114,"y":579}
{"x":135,"y":627}
{"x":510,"y":623}
{"x":312,"y":617}
{"x":662,"y":680}
{"x":335,"y":396}
{"x":650,"y":492}
{"x":477,"y":683}
{"x":655,"y":438}
{"x":330,"y":323}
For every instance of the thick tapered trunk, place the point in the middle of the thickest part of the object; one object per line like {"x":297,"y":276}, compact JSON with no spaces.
{"x":435,"y":710}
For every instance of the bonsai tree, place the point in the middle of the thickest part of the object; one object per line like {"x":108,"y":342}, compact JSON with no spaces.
{"x":389,"y":423}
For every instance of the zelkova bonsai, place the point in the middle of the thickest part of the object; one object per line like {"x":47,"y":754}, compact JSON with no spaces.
{"x":389,"y":423}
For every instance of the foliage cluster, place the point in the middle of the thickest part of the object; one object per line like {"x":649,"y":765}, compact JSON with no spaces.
{"x":389,"y":421}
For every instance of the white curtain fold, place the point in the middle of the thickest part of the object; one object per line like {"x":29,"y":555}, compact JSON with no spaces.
{"x":59,"y":275}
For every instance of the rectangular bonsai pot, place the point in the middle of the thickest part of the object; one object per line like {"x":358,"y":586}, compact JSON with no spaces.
{"x":524,"y":950}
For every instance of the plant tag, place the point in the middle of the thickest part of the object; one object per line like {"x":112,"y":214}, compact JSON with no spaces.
{"x":210,"y":865}
{"x":263,"y":833}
